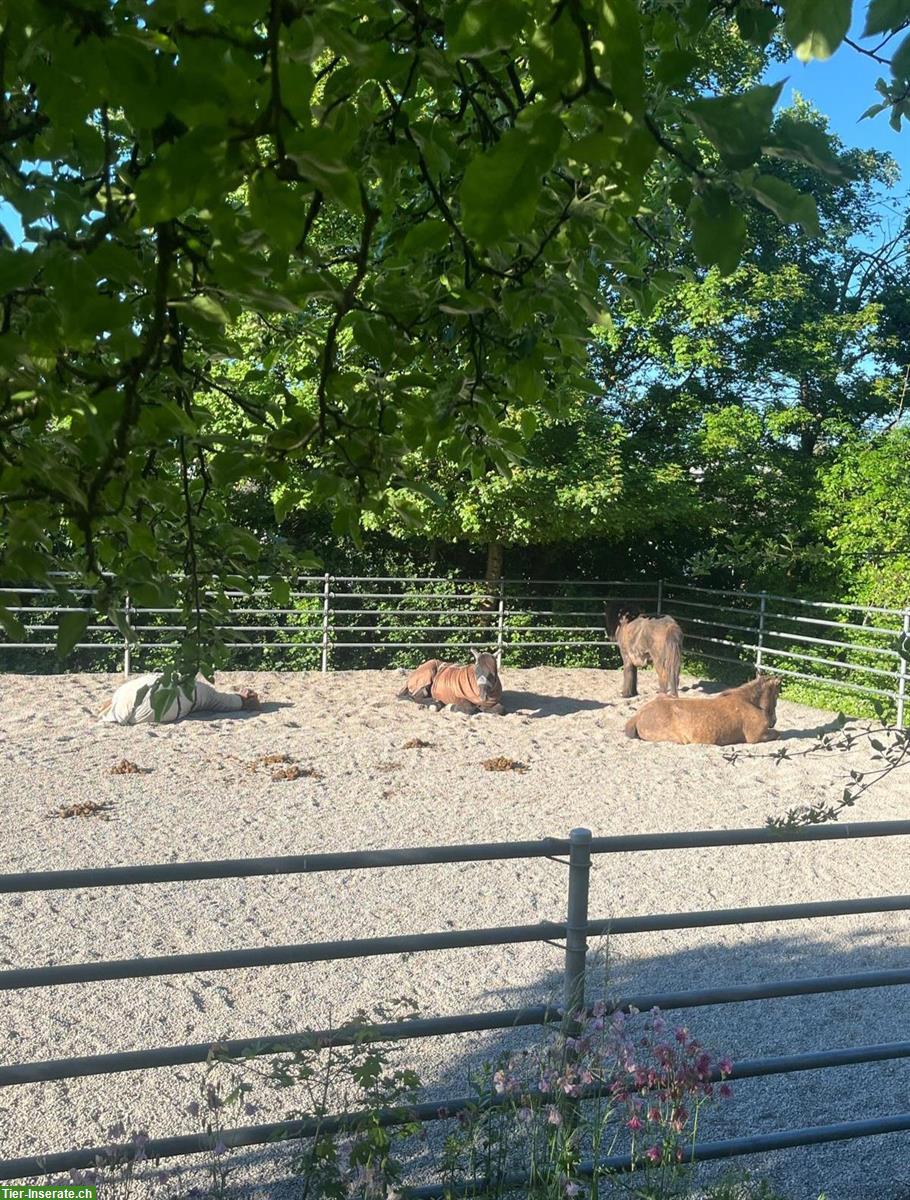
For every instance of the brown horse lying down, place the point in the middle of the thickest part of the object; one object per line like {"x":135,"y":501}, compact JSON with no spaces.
{"x":743,"y":714}
{"x":643,"y":639}
{"x":470,"y":689}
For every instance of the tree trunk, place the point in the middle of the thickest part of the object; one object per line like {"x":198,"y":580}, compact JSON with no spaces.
{"x":495,"y":556}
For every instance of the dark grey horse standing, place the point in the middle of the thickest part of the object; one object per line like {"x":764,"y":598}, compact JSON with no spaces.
{"x":642,"y":639}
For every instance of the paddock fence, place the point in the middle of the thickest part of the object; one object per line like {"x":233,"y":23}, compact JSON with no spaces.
{"x":355,"y":622}
{"x":574,"y":931}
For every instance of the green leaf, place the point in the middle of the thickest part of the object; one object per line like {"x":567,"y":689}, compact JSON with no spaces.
{"x":801,"y":141}
{"x":427,"y":235}
{"x":882,"y":16}
{"x":718,"y":229}
{"x":815,"y":28}
{"x":207,"y":307}
{"x":501,"y":188}
{"x":674,"y":65}
{"x":737,"y":125}
{"x":555,"y":56}
{"x":14,"y":628}
{"x":756,"y":23}
{"x":485,"y":28}
{"x":620,"y":29}
{"x":70,"y":629}
{"x":278,"y":209}
{"x":788,"y":205}
{"x":317,"y":154}
{"x":900,"y":60}
{"x":281,"y":592}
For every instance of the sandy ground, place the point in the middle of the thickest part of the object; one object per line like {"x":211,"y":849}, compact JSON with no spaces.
{"x":199,"y":800}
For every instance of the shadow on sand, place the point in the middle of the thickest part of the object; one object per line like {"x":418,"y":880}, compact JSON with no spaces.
{"x":865,"y":1169}
{"x":548,"y":706}
{"x":241,"y":714}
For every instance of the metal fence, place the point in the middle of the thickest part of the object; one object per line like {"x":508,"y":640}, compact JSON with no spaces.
{"x":335,"y":621}
{"x":575,"y":930}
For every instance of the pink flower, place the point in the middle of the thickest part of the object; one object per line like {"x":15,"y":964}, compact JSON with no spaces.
{"x":654,"y":1154}
{"x":726,"y":1066}
{"x":653,"y":1114}
{"x":634,"y":1123}
{"x":553,"y":1117}
{"x":682,"y":1035}
{"x":726,"y":1091}
{"x":574,"y":1189}
{"x":680,"y":1116}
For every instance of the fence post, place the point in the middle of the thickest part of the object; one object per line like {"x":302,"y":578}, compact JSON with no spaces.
{"x":761,"y":632}
{"x":902,"y":679}
{"x":660,"y":596}
{"x":576,"y":952}
{"x":127,"y":653}
{"x":577,"y":924}
{"x":500,"y":623}
{"x":326,"y":597}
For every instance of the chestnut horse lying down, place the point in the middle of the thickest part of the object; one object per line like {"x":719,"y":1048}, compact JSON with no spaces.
{"x":743,"y":714}
{"x":642,"y":639}
{"x":471,"y":689}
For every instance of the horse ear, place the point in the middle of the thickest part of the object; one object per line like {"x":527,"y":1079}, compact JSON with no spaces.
{"x":475,"y":652}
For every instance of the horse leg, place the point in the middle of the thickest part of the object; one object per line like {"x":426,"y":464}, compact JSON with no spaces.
{"x":497,"y":710}
{"x":465,"y":707}
{"x":419,"y":697}
{"x":629,"y":681}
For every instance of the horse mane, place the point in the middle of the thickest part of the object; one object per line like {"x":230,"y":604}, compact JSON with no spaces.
{"x":753,"y":690}
{"x":615,"y":613}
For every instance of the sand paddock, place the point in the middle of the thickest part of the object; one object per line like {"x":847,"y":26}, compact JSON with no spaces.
{"x":200,"y":800}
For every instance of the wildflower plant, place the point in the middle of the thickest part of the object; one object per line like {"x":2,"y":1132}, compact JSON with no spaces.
{"x":618,"y":1084}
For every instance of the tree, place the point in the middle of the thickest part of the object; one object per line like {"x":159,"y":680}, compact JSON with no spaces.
{"x":862,"y":512}
{"x":755,"y":379}
{"x":572,"y":485}
{"x":442,"y":192}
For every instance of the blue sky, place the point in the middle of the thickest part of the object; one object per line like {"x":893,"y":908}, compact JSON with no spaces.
{"x":843,"y":88}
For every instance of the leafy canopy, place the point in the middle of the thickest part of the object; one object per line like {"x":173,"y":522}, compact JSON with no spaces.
{"x":430,"y":203}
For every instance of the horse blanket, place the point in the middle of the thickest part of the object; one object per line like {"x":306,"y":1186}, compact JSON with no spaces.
{"x":131,"y":704}
{"x":451,"y":684}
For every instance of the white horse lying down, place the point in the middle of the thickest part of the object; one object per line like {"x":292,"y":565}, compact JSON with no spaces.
{"x":131,"y":704}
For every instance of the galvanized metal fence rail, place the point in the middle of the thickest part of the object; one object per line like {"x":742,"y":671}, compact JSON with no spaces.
{"x":576,"y":929}
{"x":370,"y":621}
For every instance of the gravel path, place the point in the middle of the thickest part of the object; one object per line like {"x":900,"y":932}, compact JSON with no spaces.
{"x":200,"y":799}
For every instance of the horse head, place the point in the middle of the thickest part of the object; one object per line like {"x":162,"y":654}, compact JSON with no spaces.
{"x":616,"y":615}
{"x":768,"y":692}
{"x":486,"y":672}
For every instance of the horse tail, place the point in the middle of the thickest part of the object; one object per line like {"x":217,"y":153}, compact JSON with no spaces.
{"x":632,"y":727}
{"x":106,"y":708}
{"x":673,"y":659}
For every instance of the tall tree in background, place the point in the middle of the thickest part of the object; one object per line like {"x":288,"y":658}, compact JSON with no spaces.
{"x":755,"y":379}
